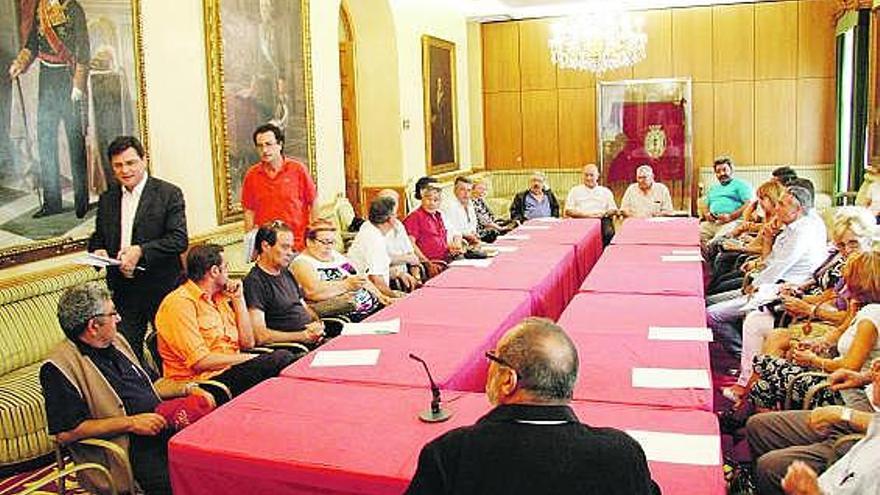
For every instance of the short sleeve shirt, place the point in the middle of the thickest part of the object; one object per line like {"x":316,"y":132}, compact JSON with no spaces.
{"x":459,"y":219}
{"x":727,"y":198}
{"x":397,"y":240}
{"x":598,"y":199}
{"x":646,"y":205}
{"x":287,"y":197}
{"x":279,"y":297}
{"x":369,"y":252}
{"x":429,"y":231}
{"x":190,"y":325}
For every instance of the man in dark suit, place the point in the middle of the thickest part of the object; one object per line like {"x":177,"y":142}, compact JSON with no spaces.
{"x":532,"y":442}
{"x":141,"y":221}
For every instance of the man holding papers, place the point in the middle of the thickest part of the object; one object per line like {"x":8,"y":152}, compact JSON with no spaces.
{"x":203,"y":326}
{"x":532,"y":442}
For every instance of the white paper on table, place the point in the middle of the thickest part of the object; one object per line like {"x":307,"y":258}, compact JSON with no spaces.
{"x":661,"y":219}
{"x":360,"y":357}
{"x":696,"y":334}
{"x":686,"y":252}
{"x":372,"y":328}
{"x":505,"y":249}
{"x":547,"y":220}
{"x":670,"y":378}
{"x":484,"y":263}
{"x":679,"y":448}
{"x":533,"y":227}
{"x":515,"y":237}
{"x":674,"y":258}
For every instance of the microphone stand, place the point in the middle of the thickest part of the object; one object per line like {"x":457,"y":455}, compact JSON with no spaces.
{"x":435,"y":414}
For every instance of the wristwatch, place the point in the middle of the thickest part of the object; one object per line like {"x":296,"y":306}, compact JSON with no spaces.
{"x":846,"y":414}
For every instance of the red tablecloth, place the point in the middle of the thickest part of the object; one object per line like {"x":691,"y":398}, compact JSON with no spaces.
{"x":550,"y":278}
{"x":606,"y":363}
{"x":677,"y":279}
{"x":299,"y":437}
{"x":670,"y":231}
{"x":585,"y":234}
{"x":454,"y":355}
{"x":598,"y":313}
{"x":483,"y":310}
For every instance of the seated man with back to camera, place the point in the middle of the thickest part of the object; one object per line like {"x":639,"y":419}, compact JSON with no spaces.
{"x":590,"y":200}
{"x":94,"y":386}
{"x":204,"y":325}
{"x":405,"y":256}
{"x":646,"y":198}
{"x":538,"y":201}
{"x":532,"y":442}
{"x":369,"y":250}
{"x":274,"y":299}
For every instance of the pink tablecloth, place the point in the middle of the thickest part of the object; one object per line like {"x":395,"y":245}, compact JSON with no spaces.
{"x":298,"y":437}
{"x":454,"y":355}
{"x":652,"y":254}
{"x":485,"y":311}
{"x":550,"y":278}
{"x":598,"y":313}
{"x":669,"y":231}
{"x":584,"y":234}
{"x":681,"y":279}
{"x":606,"y":363}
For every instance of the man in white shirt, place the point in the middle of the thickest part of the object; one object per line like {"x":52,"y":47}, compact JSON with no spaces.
{"x":459,"y":215}
{"x":404,"y":254}
{"x":590,"y":200}
{"x":796,"y":252}
{"x":646,"y":198}
{"x":369,"y":250}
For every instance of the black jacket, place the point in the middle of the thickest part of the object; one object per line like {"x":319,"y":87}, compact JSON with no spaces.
{"x":518,"y":207}
{"x":501,"y":454}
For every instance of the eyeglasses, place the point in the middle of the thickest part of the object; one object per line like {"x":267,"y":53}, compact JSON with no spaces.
{"x":492,"y":357}
{"x":113,"y":314}
{"x":326,"y":242}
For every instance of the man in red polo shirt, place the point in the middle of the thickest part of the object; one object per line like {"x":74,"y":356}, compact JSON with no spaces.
{"x":428,"y":232}
{"x":277,"y":187}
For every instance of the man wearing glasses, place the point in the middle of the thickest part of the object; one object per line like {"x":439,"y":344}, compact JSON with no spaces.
{"x":532,"y":442}
{"x":203,"y":326}
{"x":93,"y":386}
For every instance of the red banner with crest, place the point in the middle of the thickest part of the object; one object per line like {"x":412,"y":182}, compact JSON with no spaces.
{"x":654,"y":135}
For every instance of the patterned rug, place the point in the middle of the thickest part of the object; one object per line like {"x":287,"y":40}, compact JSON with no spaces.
{"x":19,"y":482}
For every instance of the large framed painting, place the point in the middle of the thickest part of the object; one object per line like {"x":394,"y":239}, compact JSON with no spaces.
{"x":438,"y":84}
{"x":259,"y":71}
{"x":647,"y":122}
{"x":77,"y":83}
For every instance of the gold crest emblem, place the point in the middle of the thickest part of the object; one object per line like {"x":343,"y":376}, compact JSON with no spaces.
{"x":655,"y":141}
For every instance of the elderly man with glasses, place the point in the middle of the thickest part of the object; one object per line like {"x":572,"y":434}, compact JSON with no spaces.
{"x":532,"y":442}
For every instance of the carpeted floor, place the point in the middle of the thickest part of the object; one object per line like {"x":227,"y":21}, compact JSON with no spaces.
{"x":19,"y":482}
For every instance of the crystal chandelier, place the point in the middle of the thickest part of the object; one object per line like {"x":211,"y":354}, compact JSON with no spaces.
{"x":597,"y":42}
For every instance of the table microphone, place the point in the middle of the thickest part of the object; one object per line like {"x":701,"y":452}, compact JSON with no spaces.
{"x":435,"y":414}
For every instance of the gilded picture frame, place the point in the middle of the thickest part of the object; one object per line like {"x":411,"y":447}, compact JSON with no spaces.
{"x":265,"y":76}
{"x":440,"y":105}
{"x":47,"y":206}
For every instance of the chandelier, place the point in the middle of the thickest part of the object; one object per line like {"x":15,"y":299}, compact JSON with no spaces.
{"x":597,"y":42}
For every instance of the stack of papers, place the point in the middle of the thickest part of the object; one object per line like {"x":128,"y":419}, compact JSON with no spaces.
{"x":505,"y":249}
{"x":361,"y":357}
{"x":686,"y":252}
{"x":515,"y":237}
{"x":673,"y":258}
{"x":548,"y":220}
{"x":694,"y":334}
{"x":670,"y":378}
{"x":533,"y":227}
{"x":92,"y":259}
{"x":372,"y":328}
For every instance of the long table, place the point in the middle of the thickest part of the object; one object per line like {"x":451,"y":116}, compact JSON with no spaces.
{"x":659,"y":231}
{"x":301,"y":437}
{"x":675,"y":279}
{"x":630,"y":314}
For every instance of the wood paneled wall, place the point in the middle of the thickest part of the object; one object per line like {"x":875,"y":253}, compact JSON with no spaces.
{"x":763,"y":86}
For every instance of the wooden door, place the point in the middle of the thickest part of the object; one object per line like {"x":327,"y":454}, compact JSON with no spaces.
{"x":351,"y":149}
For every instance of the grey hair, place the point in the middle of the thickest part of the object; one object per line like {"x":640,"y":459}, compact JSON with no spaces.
{"x":803,"y":196}
{"x":80,"y":304}
{"x":381,"y":209}
{"x":544,"y":358}
{"x":646,"y":168}
{"x":855,"y":219}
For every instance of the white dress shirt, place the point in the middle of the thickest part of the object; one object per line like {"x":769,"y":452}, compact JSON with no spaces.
{"x":590,"y":200}
{"x":130,"y":201}
{"x":798,"y":250}
{"x":369,"y":251}
{"x":646,"y":205}
{"x":458,"y":219}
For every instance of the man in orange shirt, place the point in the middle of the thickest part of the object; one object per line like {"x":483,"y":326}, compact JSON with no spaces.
{"x":277,"y":187}
{"x":203,"y":326}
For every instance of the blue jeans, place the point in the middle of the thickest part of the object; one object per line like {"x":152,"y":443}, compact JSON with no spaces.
{"x":725,"y":316}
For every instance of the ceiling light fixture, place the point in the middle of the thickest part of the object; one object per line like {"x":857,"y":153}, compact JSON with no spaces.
{"x":597,"y":41}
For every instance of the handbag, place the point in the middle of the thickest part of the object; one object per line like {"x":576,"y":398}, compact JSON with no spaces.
{"x":340,"y":305}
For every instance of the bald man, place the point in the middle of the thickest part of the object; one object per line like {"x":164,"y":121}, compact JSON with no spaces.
{"x":646,"y":198}
{"x":590,"y":200}
{"x":532,"y":442}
